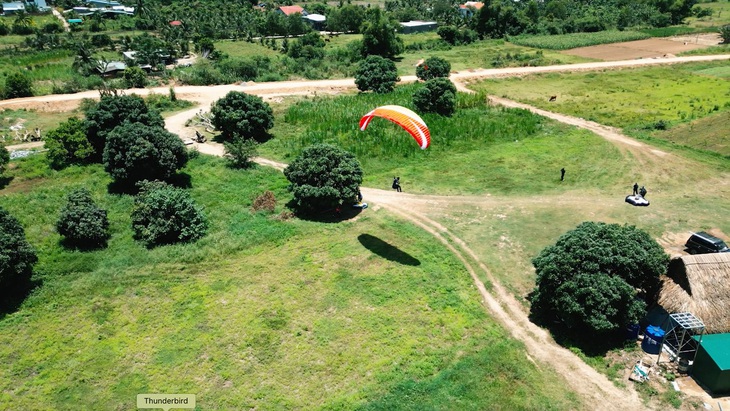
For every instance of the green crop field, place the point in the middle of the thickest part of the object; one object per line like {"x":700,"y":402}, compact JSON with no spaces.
{"x":261,"y":313}
{"x":571,"y":41}
{"x":631,"y":99}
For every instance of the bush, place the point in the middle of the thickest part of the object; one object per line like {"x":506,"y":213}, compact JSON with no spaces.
{"x":725,"y":34}
{"x":135,"y":152}
{"x":240,"y":152}
{"x":83,"y":223}
{"x":4,"y":158}
{"x":135,"y":77}
{"x":67,"y":144}
{"x":433,"y":67}
{"x":241,"y":114}
{"x":17,"y":256}
{"x":437,"y":96}
{"x":112,"y":111}
{"x":448,"y":34}
{"x":164,"y":214}
{"x":377,"y":74}
{"x":18,"y":85}
{"x":323,"y":177}
{"x":590,"y":279}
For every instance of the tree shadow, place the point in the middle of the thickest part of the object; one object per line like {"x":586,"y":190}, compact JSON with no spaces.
{"x":334,"y":215}
{"x":69,"y":244}
{"x":13,"y":296}
{"x":5,"y":181}
{"x":386,"y":250}
{"x":589,"y":343}
{"x":180,"y":180}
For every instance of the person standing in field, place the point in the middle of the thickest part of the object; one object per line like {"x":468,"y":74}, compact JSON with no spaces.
{"x":562,"y":174}
{"x":396,"y":184}
{"x":636,"y":188}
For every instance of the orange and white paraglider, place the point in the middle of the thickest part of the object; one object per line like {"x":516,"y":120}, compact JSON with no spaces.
{"x":405,"y":118}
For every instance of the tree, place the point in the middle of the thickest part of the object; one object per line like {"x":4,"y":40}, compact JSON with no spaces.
{"x":18,"y":85}
{"x":433,"y":67}
{"x":112,"y":111}
{"x":84,"y":61}
{"x":4,"y":158}
{"x":597,"y":278}
{"x":379,"y":36}
{"x":437,"y":96}
{"x":323,"y":177}
{"x":82,"y":222}
{"x":448,"y":34}
{"x":347,"y":18}
{"x":67,"y":144}
{"x":17,"y":256}
{"x":377,"y":74}
{"x":725,"y":34}
{"x":135,"y":152}
{"x":135,"y":77}
{"x":164,"y":214}
{"x":242,"y":114}
{"x":240,"y":152}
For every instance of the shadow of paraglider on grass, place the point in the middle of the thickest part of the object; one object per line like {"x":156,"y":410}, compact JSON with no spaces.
{"x":386,"y":250}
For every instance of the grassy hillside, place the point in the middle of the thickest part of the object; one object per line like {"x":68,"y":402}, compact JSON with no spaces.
{"x":261,"y":313}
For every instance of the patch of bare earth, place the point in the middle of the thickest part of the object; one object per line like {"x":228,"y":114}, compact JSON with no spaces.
{"x":649,"y":48}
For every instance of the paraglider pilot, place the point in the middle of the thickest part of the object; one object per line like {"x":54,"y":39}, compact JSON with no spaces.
{"x":396,"y":184}
{"x":636,"y":188}
{"x":642,"y":191}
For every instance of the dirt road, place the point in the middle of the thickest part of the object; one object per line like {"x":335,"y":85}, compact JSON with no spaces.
{"x":596,"y":391}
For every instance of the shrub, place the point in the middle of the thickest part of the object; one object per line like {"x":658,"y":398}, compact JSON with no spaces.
{"x":67,"y":144}
{"x":437,"y":96}
{"x":135,"y":77}
{"x":17,"y":256}
{"x":18,"y":85}
{"x":240,"y":152}
{"x":588,"y":280}
{"x":448,"y":34}
{"x":323,"y":177}
{"x":164,"y":214}
{"x":725,"y":34}
{"x":135,"y":152}
{"x":377,"y":74}
{"x":83,"y":223}
{"x":433,"y":67}
{"x":264,"y":202}
{"x":241,"y":114}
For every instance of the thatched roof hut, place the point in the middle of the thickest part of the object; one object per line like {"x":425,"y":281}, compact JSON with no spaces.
{"x":699,"y":284}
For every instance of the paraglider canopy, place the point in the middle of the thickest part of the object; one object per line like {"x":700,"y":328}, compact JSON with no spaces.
{"x":405,"y":118}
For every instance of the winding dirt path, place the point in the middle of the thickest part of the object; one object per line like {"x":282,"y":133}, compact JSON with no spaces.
{"x":596,"y":391}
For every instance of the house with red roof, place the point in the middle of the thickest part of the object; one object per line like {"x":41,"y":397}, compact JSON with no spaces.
{"x":467,"y":9}
{"x":288,"y":10}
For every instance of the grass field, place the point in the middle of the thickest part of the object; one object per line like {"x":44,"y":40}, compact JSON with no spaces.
{"x":632,"y":99}
{"x":261,"y":313}
{"x":574,"y":40}
{"x":720,"y":15}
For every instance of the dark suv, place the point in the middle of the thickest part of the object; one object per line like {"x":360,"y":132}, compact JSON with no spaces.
{"x":703,"y":243}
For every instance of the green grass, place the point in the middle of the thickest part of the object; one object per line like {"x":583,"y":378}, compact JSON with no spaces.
{"x":30,"y":119}
{"x":720,"y":15}
{"x":479,"y":150}
{"x":570,"y":41}
{"x":632,"y":99}
{"x":260,"y":313}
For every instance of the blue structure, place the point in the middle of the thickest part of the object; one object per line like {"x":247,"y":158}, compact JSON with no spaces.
{"x":653,"y":337}
{"x":12,"y":8}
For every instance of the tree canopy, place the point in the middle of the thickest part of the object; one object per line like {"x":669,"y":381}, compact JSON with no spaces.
{"x":164,"y":214}
{"x":593,"y":275}
{"x":67,"y":144}
{"x":4,"y":158}
{"x":438,"y":95}
{"x":17,"y":256}
{"x":377,"y":74}
{"x":18,"y":85}
{"x":323,"y":177}
{"x":433,"y":67}
{"x":136,"y":152}
{"x":241,"y":114}
{"x":379,"y":36}
{"x":113,"y":111}
{"x":82,"y":222}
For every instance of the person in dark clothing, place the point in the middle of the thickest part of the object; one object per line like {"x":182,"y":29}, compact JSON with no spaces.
{"x":562,"y":174}
{"x":636,"y":188}
{"x":396,"y":184}
{"x":359,"y":196}
{"x":642,"y":191}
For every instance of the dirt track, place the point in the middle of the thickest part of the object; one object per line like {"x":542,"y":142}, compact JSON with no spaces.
{"x":596,"y":391}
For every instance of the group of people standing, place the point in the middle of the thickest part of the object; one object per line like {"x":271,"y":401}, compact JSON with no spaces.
{"x":639,"y":191}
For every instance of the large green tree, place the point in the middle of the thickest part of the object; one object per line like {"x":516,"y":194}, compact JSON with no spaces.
{"x":67,"y":144}
{"x":597,"y":278}
{"x":433,"y":67}
{"x":164,"y":214}
{"x":379,"y":35}
{"x":241,"y":114}
{"x":17,"y":256}
{"x":323,"y":177}
{"x":82,"y":222}
{"x":17,"y":85}
{"x":136,"y":152}
{"x":4,"y":158}
{"x":377,"y":74}
{"x":111,"y":112}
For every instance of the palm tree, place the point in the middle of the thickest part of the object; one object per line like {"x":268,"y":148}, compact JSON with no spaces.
{"x":84,"y":60}
{"x":23,"y":19}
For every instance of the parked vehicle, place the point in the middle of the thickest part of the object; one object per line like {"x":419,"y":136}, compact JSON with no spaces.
{"x":703,"y":243}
